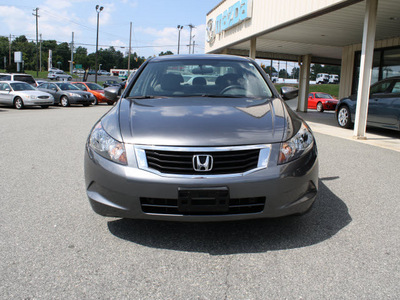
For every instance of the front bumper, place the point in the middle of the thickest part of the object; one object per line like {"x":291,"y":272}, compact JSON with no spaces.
{"x":35,"y":102}
{"x":329,"y":106}
{"x":80,"y":100}
{"x":120,"y":191}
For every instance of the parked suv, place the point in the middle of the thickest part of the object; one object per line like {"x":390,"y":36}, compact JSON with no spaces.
{"x":18,"y":77}
{"x":333,"y":78}
{"x":322,"y":78}
{"x":59,"y":75}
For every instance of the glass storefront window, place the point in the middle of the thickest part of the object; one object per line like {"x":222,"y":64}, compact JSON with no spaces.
{"x":386,"y":63}
{"x":391,"y":63}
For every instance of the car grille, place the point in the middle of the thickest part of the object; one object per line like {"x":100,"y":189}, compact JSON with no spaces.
{"x":43,"y":97}
{"x":224,"y":162}
{"x":234,"y":206}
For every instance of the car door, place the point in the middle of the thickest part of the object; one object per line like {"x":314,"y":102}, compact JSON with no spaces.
{"x":388,"y":109}
{"x":55,"y":91}
{"x":311,"y":101}
{"x":379,"y":103}
{"x":6,"y":97}
{"x":3,"y":93}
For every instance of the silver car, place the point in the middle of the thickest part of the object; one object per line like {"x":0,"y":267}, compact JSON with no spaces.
{"x":224,"y":147}
{"x":65,"y":93}
{"x":20,"y":94}
{"x":59,"y":75}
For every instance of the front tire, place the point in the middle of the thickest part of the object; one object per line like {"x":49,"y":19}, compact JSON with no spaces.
{"x":344,"y":117}
{"x":95,"y":101}
{"x":320,"y":107}
{"x":18,"y":103}
{"x":64,"y":101}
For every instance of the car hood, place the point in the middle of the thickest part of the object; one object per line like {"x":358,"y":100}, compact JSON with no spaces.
{"x":32,"y":93}
{"x":77,"y":92}
{"x":202,"y":121}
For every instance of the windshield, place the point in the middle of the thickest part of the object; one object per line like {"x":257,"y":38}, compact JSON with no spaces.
{"x":28,"y":79}
{"x":323,"y":96}
{"x":67,"y":86}
{"x":205,"y":77}
{"x":94,"y":86}
{"x":21,"y":86}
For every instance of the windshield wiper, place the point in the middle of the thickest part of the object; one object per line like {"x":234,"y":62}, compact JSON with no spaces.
{"x":145,"y":97}
{"x":222,"y":96}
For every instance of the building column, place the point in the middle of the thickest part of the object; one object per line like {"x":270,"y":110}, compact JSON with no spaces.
{"x":304,"y":83}
{"x":253,"y":44}
{"x":364,"y":82}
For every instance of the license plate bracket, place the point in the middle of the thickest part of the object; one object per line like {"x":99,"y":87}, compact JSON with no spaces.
{"x":203,"y":200}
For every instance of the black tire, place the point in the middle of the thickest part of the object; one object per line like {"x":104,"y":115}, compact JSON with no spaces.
{"x":64,"y":101}
{"x":320,"y":107}
{"x":344,"y":117}
{"x":44,"y":106}
{"x":110,"y":103}
{"x":86,"y":104}
{"x":18,"y":103}
{"x":69,"y":78}
{"x":58,"y":78}
{"x":95,"y":102}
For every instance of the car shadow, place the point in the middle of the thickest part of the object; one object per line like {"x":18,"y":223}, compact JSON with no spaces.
{"x":327,"y":217}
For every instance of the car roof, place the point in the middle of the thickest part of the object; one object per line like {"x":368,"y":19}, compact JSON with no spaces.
{"x":12,"y":81}
{"x":199,"y":57}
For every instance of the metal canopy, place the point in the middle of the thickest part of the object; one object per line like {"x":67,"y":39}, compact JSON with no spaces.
{"x":323,"y":34}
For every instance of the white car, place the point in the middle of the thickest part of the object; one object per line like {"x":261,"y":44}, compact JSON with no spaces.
{"x":103,"y":72}
{"x":59,"y":75}
{"x":20,"y":94}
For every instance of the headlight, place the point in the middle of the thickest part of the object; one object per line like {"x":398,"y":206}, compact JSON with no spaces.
{"x":297,"y":145}
{"x":106,"y":146}
{"x":75,"y":95}
{"x":32,"y":97}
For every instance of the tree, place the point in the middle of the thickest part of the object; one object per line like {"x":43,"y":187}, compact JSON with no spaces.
{"x":165,"y":53}
{"x":28,"y":50}
{"x":295,"y":72}
{"x":4,"y":46}
{"x":283,"y":73}
{"x":267,"y":69}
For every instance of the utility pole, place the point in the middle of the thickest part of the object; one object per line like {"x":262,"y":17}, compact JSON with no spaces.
{"x":193,"y":47}
{"x":40,"y":54}
{"x":36,"y":14}
{"x":9,"y":52}
{"x":191,"y":26}
{"x":71,"y":65}
{"x":129,"y":55}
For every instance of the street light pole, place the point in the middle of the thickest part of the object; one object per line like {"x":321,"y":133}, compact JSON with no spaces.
{"x":179,"y":35}
{"x":190,"y":40}
{"x":98,"y":10}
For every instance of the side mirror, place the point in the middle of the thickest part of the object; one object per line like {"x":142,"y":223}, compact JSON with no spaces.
{"x":112,"y":92}
{"x":8,"y":90}
{"x":289,"y":92}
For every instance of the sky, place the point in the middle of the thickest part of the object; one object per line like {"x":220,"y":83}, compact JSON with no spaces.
{"x":154,"y":23}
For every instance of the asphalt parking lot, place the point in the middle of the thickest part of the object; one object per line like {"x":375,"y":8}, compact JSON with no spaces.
{"x":54,"y":246}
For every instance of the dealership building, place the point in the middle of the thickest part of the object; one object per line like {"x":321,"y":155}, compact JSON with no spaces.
{"x":361,"y":36}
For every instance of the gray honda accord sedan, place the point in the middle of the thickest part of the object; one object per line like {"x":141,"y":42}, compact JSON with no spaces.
{"x":200,"y":138}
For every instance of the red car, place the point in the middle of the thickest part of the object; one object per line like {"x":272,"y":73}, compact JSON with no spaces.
{"x":321,"y":101}
{"x":96,"y":90}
